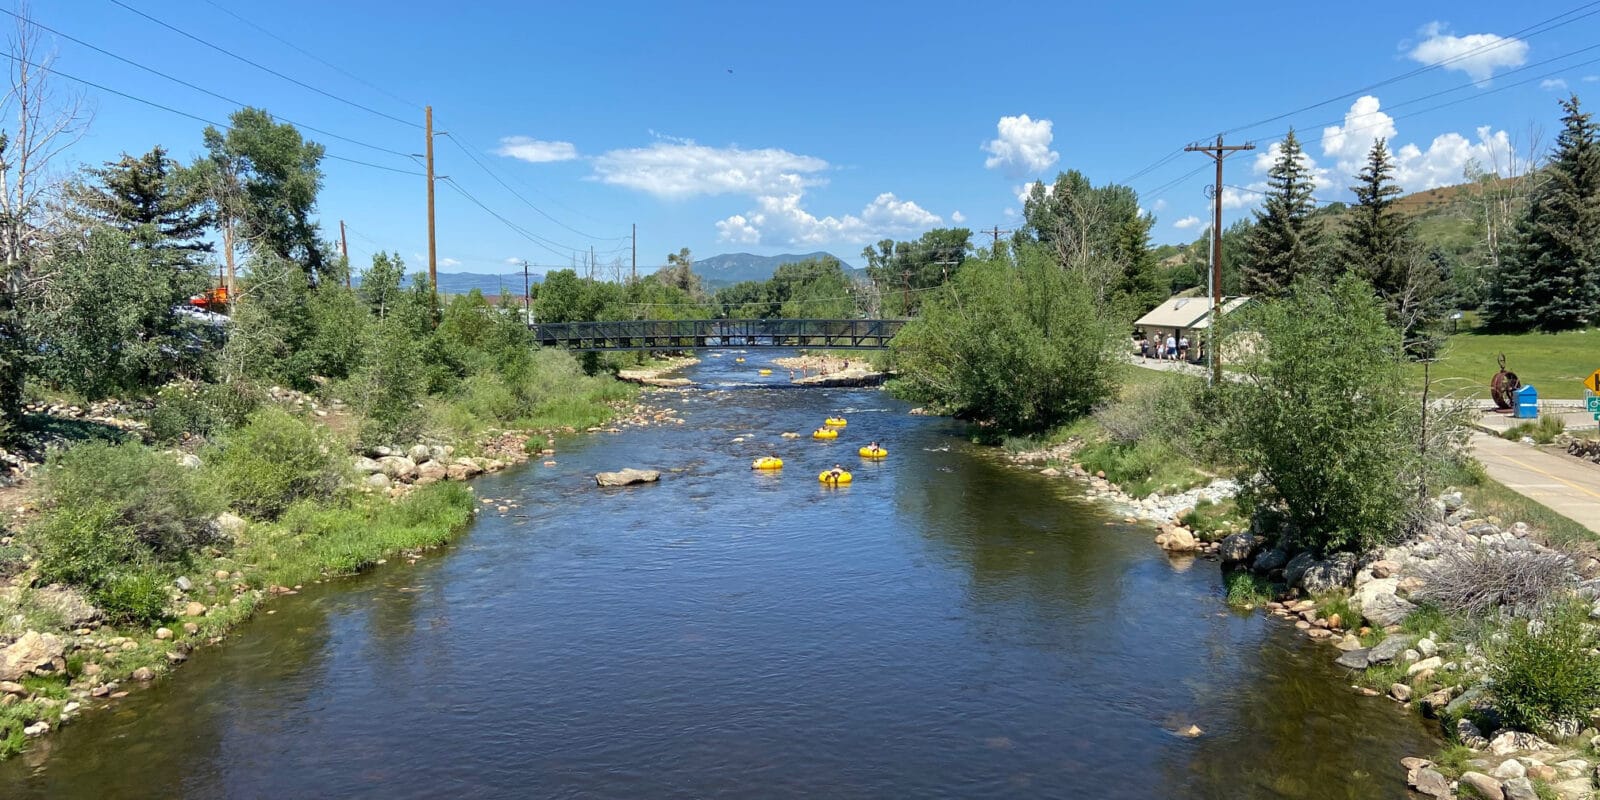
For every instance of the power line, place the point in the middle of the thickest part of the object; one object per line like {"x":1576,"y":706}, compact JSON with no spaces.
{"x":485,"y":167}
{"x":508,"y":223}
{"x":1420,"y":70}
{"x":314,"y":56}
{"x":199,"y":89}
{"x":269,"y":70}
{"x":169,"y":109}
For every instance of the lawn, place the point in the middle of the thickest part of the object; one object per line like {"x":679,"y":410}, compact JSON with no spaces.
{"x":1555,"y":363}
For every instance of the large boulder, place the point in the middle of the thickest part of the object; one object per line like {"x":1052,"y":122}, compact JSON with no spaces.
{"x":1296,"y":568}
{"x":1377,"y":601}
{"x":1487,"y":787}
{"x":1354,"y":659}
{"x":365,"y":466}
{"x":627,"y":477}
{"x":35,"y":652}
{"x":1269,"y":560}
{"x":1429,"y":782}
{"x":398,"y":467}
{"x":1328,"y":575}
{"x":1239,"y":547}
{"x":230,"y":524}
{"x":418,"y":453}
{"x":1177,"y":540}
{"x":431,"y":472}
{"x":70,"y":606}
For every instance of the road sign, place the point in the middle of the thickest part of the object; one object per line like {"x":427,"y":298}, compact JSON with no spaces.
{"x":1593,"y":381}
{"x":1592,"y":402}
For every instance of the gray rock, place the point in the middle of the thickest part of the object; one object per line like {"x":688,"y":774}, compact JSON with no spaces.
{"x":1516,"y":741}
{"x":1468,"y":734}
{"x":1518,"y":787}
{"x":70,"y":605}
{"x":183,"y":584}
{"x":365,"y":466}
{"x":627,"y":477}
{"x":1269,"y":560}
{"x":1452,"y":502}
{"x":376,"y":480}
{"x":1471,"y":699}
{"x":418,"y":453}
{"x":1384,"y":610}
{"x":1296,"y":568}
{"x":230,"y":524}
{"x":1400,"y":691}
{"x":1239,"y":547}
{"x":1389,"y":649}
{"x":1487,"y":788}
{"x":1329,"y":574}
{"x":189,"y":461}
{"x":1354,"y":659}
{"x":1427,"y":648}
{"x":1429,"y":783}
{"x":398,"y":467}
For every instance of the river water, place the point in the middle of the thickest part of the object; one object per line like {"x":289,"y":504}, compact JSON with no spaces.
{"x":946,"y":626}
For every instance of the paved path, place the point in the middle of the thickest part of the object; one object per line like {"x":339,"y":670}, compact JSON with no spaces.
{"x":1566,"y":485}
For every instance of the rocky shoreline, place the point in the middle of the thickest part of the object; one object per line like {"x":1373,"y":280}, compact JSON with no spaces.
{"x":1356,"y":604}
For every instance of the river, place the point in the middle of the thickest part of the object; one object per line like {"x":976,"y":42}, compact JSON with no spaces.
{"x":946,"y":626}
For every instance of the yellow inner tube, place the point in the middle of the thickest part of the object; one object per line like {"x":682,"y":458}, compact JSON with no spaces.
{"x":868,"y":452}
{"x":767,"y":462}
{"x":740,"y":360}
{"x":834,"y":480}
{"x":766,"y":372}
{"x":824,"y":434}
{"x":835,"y":422}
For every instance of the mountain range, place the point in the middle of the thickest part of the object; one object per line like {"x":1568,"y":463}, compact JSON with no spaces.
{"x":730,"y":268}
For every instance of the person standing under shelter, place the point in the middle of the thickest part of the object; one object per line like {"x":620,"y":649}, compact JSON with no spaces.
{"x":1183,"y":347}
{"x":1172,"y":347}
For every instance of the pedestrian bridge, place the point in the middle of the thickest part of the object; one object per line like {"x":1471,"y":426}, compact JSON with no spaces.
{"x":693,"y":334}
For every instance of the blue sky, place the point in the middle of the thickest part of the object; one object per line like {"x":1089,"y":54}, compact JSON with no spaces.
{"x":775,"y":128}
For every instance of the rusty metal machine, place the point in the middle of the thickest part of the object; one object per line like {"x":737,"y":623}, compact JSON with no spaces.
{"x":1503,"y":387}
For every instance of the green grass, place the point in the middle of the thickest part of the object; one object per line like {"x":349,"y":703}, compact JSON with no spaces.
{"x":1452,"y":761}
{"x":1555,"y":363}
{"x":1212,"y":521}
{"x":1246,"y":588}
{"x":1544,"y":431}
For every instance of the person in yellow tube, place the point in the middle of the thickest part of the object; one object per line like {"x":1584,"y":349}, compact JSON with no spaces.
{"x":836,"y":473}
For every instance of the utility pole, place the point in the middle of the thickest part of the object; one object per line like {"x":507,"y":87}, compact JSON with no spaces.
{"x":344,"y":250}
{"x":433,"y":245}
{"x":635,"y":278}
{"x":905,"y":292}
{"x":1218,"y":152}
{"x":527,"y":305}
{"x":996,"y":233}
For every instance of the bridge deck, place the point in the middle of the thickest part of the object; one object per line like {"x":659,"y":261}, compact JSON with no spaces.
{"x":833,"y":334}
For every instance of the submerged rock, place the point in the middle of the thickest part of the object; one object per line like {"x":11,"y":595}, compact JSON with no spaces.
{"x":1389,"y":649}
{"x":1353,"y":659}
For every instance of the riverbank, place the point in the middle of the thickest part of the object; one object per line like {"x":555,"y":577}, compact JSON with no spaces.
{"x":824,"y":371}
{"x":64,"y":652}
{"x":653,"y":374}
{"x":1385,"y":616}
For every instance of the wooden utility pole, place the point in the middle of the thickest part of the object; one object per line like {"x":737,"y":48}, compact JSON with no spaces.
{"x":1218,"y":152}
{"x":227,"y":250}
{"x":996,"y":232}
{"x":635,"y":278}
{"x":527,"y":306}
{"x":905,"y":292}
{"x":344,"y":250}
{"x":433,"y":246}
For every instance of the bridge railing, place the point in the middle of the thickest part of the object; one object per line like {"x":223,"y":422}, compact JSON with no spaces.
{"x":842,"y":334}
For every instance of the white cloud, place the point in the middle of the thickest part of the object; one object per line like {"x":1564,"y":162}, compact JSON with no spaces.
{"x":1416,"y":169}
{"x":535,"y":151}
{"x":781,"y":219}
{"x":1478,"y":54}
{"x":957,"y":217}
{"x":449,"y":262}
{"x":514,"y":261}
{"x":1160,"y":204}
{"x":1010,"y":212}
{"x":1186,"y":223}
{"x":1552,"y":84}
{"x":676,"y":169}
{"x":1025,"y":191}
{"x":1591,"y":78}
{"x":1023,"y":146}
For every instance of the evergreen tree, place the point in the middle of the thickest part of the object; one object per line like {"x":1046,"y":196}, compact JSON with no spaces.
{"x":1285,"y":242}
{"x":1548,"y":279}
{"x":151,"y":198}
{"x":1376,"y":236}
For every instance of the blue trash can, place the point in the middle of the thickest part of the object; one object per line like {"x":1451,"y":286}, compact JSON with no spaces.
{"x":1527,"y":403}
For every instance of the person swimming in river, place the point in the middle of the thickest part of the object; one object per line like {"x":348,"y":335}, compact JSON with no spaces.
{"x":836,"y":473}
{"x":872,"y":447}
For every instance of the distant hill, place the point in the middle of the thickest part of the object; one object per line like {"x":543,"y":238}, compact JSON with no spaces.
{"x":730,"y":268}
{"x":489,"y":284}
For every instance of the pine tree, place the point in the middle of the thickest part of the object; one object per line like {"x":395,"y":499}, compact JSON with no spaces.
{"x":1285,"y":242}
{"x":1377,"y":238}
{"x":150,"y":198}
{"x":1550,"y":278}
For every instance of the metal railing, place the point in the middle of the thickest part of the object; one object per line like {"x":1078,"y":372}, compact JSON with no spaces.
{"x":833,"y":334}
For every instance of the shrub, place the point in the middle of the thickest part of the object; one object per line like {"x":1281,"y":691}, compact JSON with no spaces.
{"x":1245,"y":588}
{"x":132,"y":598}
{"x":1022,"y":344}
{"x":1543,"y":431}
{"x":1480,"y":581}
{"x":201,"y":409}
{"x":1323,"y":423}
{"x":113,"y":505}
{"x":267,"y":465}
{"x":1543,"y":671}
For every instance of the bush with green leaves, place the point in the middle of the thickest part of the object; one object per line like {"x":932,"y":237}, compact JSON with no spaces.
{"x":109,"y":507}
{"x":1543,"y":672}
{"x":274,"y":461}
{"x":202,"y":409}
{"x":1022,"y":344}
{"x":136,"y":597}
{"x":1323,"y":422}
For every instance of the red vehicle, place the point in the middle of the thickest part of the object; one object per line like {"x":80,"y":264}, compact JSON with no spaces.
{"x":215,"y":300}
